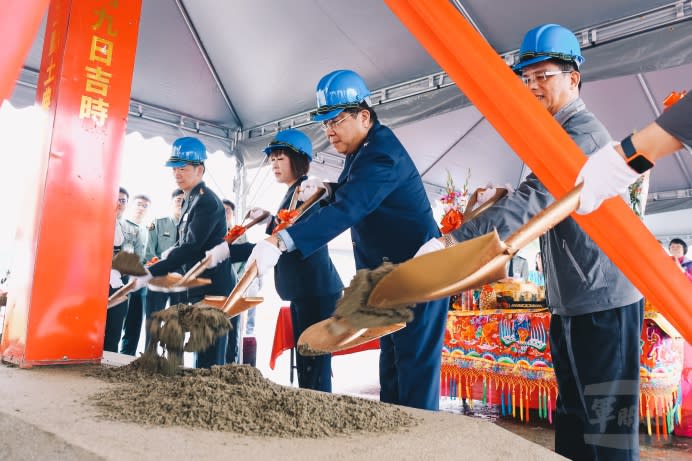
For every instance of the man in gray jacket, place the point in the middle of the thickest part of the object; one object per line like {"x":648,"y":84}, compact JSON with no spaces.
{"x":597,"y":312}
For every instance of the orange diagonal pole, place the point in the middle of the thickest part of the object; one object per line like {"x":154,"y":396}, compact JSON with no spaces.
{"x":19,"y":23}
{"x":540,"y":142}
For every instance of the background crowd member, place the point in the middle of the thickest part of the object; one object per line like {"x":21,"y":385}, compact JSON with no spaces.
{"x":678,"y":250}
{"x":311,"y":284}
{"x":135,"y":305}
{"x":239,"y":267}
{"x":536,"y":275}
{"x":380,"y":197}
{"x":597,"y":312}
{"x":202,"y":226}
{"x":126,"y":238}
{"x":163,"y":233}
{"x":614,"y":167}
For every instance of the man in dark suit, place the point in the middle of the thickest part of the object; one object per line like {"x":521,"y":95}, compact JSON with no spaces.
{"x":202,"y":226}
{"x":380,"y":197}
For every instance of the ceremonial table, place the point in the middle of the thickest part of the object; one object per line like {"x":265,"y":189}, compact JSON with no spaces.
{"x":502,"y":357}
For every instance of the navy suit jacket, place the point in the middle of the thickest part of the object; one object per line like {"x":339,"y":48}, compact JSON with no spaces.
{"x":297,"y":277}
{"x":380,"y":196}
{"x":202,"y":226}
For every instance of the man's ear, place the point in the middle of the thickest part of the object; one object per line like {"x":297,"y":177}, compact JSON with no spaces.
{"x":366,"y":118}
{"x":575,"y":79}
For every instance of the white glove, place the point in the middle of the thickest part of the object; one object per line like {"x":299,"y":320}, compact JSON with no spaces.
{"x":265,"y":255}
{"x":310,"y":186}
{"x":605,"y":174}
{"x":116,"y":282}
{"x":141,"y":281}
{"x":257,"y":212}
{"x":218,"y":254}
{"x":431,"y":245}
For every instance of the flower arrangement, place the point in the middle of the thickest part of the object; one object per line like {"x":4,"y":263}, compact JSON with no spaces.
{"x":454,"y":202}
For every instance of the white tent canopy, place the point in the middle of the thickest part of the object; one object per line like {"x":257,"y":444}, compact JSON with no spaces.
{"x":236,"y":71}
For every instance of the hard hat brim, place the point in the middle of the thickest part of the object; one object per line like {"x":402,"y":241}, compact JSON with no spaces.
{"x":173,"y":164}
{"x":327,"y":115}
{"x":528,"y":62}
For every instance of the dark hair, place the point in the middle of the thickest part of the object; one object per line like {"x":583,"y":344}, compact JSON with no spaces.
{"x":567,"y":66}
{"x":679,"y":242}
{"x":141,"y":197}
{"x":177,"y":192}
{"x":229,"y":203}
{"x":363,"y":106}
{"x":124,"y":191}
{"x":300,"y":164}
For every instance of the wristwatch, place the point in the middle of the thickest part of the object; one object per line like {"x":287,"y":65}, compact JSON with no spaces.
{"x":636,"y":160}
{"x":280,"y":244}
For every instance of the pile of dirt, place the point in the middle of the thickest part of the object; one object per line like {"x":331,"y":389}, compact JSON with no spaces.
{"x":236,"y":398}
{"x":168,"y":329}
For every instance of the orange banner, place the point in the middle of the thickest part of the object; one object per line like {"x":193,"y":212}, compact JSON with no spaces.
{"x":19,"y":24}
{"x":59,"y":290}
{"x":537,"y":138}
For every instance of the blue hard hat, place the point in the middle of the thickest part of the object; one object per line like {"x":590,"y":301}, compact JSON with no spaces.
{"x":339,"y":90}
{"x":292,"y":139}
{"x":187,"y":151}
{"x":549,"y":41}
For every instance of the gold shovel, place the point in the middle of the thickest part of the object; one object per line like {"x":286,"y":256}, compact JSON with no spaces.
{"x":175,"y":283}
{"x":466,"y":265}
{"x":436,"y":275}
{"x":236,"y":303}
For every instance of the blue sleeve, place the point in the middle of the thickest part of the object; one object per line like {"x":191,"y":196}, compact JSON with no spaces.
{"x":199,"y":231}
{"x":371,"y":179}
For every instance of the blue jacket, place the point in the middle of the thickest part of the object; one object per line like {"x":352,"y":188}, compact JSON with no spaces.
{"x":202,"y":226}
{"x":296,"y":277}
{"x":380,"y":197}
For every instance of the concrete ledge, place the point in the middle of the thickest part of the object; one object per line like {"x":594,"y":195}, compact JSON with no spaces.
{"x":45,"y":415}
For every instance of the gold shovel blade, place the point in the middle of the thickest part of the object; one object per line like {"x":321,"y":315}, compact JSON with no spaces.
{"x":334,"y":335}
{"x":327,"y":336}
{"x":174,"y":283}
{"x":243,"y":304}
{"x":442,"y":273}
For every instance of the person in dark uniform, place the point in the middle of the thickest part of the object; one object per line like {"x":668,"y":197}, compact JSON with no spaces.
{"x":611,"y":170}
{"x":311,"y":284}
{"x":380,"y":197}
{"x":597,"y":313}
{"x":163,"y":233}
{"x":202,"y":226}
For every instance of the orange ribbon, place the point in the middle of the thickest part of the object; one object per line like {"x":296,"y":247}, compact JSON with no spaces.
{"x":233,"y":233}
{"x":451,"y":221}
{"x":285,"y":218}
{"x":673,"y":98}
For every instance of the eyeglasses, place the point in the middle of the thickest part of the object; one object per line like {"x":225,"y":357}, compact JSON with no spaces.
{"x":122,"y":201}
{"x":331,"y":124}
{"x":541,"y":77}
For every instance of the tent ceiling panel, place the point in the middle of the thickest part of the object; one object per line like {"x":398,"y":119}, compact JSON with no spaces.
{"x":271,"y":53}
{"x":504,"y":23}
{"x":432,"y":140}
{"x":482,"y":151}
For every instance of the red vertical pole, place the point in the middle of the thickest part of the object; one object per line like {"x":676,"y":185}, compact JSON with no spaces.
{"x":545,"y":147}
{"x":59,"y":287}
{"x":19,"y":23}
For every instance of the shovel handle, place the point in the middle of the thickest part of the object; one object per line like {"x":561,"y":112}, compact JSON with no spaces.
{"x":543,"y":221}
{"x":236,"y":295}
{"x":121,"y":293}
{"x":195,"y":271}
{"x":314,"y":198}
